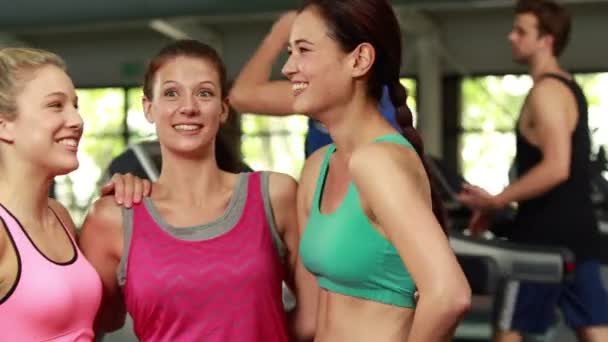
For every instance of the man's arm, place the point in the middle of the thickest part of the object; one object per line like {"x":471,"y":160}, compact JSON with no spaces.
{"x":548,"y":105}
{"x":253,"y":91}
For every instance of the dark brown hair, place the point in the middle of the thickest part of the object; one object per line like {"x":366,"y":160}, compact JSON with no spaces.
{"x":553,"y":20}
{"x":184,"y":48}
{"x":353,"y":22}
{"x":228,"y":157}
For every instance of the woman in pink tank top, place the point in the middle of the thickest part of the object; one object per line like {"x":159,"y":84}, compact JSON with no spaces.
{"x":48,"y":290}
{"x":197,"y":260}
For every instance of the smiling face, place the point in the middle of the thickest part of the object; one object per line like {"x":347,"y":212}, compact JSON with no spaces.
{"x":316,"y":66}
{"x":47,"y":127}
{"x":187,"y":105}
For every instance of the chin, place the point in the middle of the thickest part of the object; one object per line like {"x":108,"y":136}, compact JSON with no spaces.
{"x":520,"y":59}
{"x":301,"y":106}
{"x":65,"y":168}
{"x":189,"y":151}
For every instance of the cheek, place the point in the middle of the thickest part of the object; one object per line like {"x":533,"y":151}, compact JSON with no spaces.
{"x":163,"y":111}
{"x":212,"y":109}
{"x":48,"y":125}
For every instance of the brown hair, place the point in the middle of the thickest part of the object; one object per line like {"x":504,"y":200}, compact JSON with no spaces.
{"x":15,"y":65}
{"x":228,"y":158}
{"x":184,"y":48}
{"x":553,"y":20}
{"x":352,"y":22}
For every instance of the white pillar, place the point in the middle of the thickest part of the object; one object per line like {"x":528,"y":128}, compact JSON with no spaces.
{"x":424,"y":33}
{"x":430,"y":117}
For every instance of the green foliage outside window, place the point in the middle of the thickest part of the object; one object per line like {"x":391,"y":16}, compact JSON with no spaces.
{"x":138,"y":127}
{"x":490,"y":108}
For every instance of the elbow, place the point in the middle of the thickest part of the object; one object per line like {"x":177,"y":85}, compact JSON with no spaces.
{"x":462,"y":303}
{"x":453,"y":303}
{"x":562,"y":175}
{"x":457,"y":306}
{"x":558,"y":172}
{"x":238,"y":99}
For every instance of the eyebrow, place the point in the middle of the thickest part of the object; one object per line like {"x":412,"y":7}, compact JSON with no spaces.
{"x":302,"y":40}
{"x":199,"y":83}
{"x":63,"y":95}
{"x":296,"y":42}
{"x":57,"y":93}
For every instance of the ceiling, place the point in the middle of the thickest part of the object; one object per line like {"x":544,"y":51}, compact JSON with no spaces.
{"x":28,"y":14}
{"x":105,"y":41}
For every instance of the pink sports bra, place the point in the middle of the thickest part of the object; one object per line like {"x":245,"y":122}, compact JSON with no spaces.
{"x":49,"y":301}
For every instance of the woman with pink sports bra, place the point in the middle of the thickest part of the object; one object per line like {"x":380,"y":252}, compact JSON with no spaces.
{"x":204,"y":257}
{"x":48,"y":290}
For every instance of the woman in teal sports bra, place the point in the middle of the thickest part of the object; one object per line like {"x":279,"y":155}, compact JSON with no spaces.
{"x":370,"y":238}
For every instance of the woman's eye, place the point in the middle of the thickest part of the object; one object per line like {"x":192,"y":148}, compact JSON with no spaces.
{"x":205,"y":93}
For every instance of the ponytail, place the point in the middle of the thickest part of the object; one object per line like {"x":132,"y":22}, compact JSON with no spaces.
{"x":398,"y":95}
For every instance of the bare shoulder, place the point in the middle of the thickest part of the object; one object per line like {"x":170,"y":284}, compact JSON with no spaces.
{"x":63,"y":215}
{"x":282,"y":187}
{"x":104,"y":218}
{"x":550,"y":89}
{"x":385,"y":161}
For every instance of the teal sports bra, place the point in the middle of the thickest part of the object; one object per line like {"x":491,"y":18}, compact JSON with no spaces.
{"x":347,"y":254}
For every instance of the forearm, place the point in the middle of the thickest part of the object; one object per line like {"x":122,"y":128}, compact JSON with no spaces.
{"x":256,"y":72}
{"x":534,"y":183}
{"x":254,"y":92}
{"x":259,"y":67}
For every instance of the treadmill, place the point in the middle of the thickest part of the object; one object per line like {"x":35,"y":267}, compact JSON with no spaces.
{"x":489,"y":263}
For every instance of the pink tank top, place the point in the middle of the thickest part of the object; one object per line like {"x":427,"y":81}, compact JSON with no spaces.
{"x":223,"y":288}
{"x":50,"y":301}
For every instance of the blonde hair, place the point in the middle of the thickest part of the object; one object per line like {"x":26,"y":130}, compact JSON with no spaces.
{"x":15,"y":65}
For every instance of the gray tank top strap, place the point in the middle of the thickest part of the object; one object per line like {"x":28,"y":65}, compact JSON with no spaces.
{"x":127,"y":228}
{"x":276,"y":237}
{"x":204,"y":231}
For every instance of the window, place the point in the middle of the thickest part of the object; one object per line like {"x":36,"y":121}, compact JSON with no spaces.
{"x":137,"y":126}
{"x":490,"y":108}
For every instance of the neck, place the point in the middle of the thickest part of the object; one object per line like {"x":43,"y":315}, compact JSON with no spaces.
{"x":542,"y":65}
{"x":355,"y":123}
{"x":189,"y":181}
{"x":24,"y":190}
